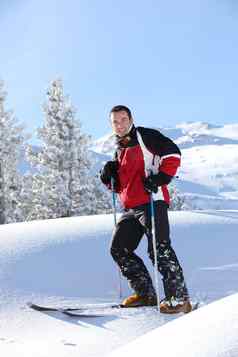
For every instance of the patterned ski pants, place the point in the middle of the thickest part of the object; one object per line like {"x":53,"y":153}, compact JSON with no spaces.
{"x":127,"y":235}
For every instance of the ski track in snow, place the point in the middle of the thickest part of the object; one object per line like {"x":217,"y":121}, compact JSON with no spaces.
{"x":233,"y":267}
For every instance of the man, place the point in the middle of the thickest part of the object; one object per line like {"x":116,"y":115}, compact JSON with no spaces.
{"x":145,"y":163}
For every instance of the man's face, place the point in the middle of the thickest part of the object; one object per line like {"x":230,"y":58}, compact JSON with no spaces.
{"x":120,"y":122}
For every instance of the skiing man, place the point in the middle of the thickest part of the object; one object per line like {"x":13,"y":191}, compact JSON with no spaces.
{"x":145,"y":162}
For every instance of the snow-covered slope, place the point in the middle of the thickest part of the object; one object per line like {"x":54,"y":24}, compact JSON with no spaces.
{"x":208,"y":332}
{"x":208,"y":177}
{"x":66,"y":261}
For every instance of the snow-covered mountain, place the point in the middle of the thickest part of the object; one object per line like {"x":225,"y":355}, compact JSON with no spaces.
{"x":66,"y":262}
{"x":208,"y":177}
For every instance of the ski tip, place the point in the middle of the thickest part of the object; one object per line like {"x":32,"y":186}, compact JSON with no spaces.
{"x":195,"y":306}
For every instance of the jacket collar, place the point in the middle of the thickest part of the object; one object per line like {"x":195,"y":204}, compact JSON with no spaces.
{"x":130,"y":139}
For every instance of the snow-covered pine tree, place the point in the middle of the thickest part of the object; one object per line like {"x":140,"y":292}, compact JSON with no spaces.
{"x":11,"y":147}
{"x":62,"y":187}
{"x":102,"y":198}
{"x":177,"y":199}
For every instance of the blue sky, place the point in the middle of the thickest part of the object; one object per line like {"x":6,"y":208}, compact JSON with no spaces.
{"x":170,"y":62}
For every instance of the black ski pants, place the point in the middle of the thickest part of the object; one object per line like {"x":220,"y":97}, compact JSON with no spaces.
{"x":131,"y":227}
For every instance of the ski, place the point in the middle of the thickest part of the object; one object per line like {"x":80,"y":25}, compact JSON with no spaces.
{"x":82,"y":311}
{"x":92,"y":310}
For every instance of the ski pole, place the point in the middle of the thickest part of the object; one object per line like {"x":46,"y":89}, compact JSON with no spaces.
{"x":156,"y":273}
{"x":114,"y":204}
{"x":115,"y":223}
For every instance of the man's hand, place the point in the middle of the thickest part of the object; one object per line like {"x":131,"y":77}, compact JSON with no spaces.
{"x":109,"y":171}
{"x":152,"y":182}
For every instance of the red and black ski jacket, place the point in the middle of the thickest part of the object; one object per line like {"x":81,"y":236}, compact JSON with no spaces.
{"x":142,"y":152}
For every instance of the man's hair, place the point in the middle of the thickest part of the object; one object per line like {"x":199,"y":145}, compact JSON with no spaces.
{"x":119,"y":108}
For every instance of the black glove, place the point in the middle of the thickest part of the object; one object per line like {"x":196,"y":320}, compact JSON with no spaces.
{"x":152,"y":182}
{"x":109,"y":171}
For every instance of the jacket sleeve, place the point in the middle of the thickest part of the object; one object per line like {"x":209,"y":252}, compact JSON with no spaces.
{"x":164,"y":147}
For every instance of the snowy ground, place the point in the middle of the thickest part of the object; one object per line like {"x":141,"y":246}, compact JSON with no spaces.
{"x":211,"y":331}
{"x":66,"y":261}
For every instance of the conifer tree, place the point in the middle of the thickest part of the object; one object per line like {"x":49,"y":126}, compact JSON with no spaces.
{"x":11,"y":148}
{"x":102,"y":198}
{"x":177,"y":199}
{"x":62,"y":186}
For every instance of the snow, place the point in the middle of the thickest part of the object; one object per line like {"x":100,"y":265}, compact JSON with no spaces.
{"x":211,"y":331}
{"x":106,"y":144}
{"x":67,"y":262}
{"x":207,"y":161}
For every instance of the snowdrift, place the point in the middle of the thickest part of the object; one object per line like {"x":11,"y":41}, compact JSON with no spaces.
{"x":210,"y":331}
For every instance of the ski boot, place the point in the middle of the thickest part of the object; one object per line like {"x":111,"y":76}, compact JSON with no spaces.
{"x":174,"y":307}
{"x":137,"y":301}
